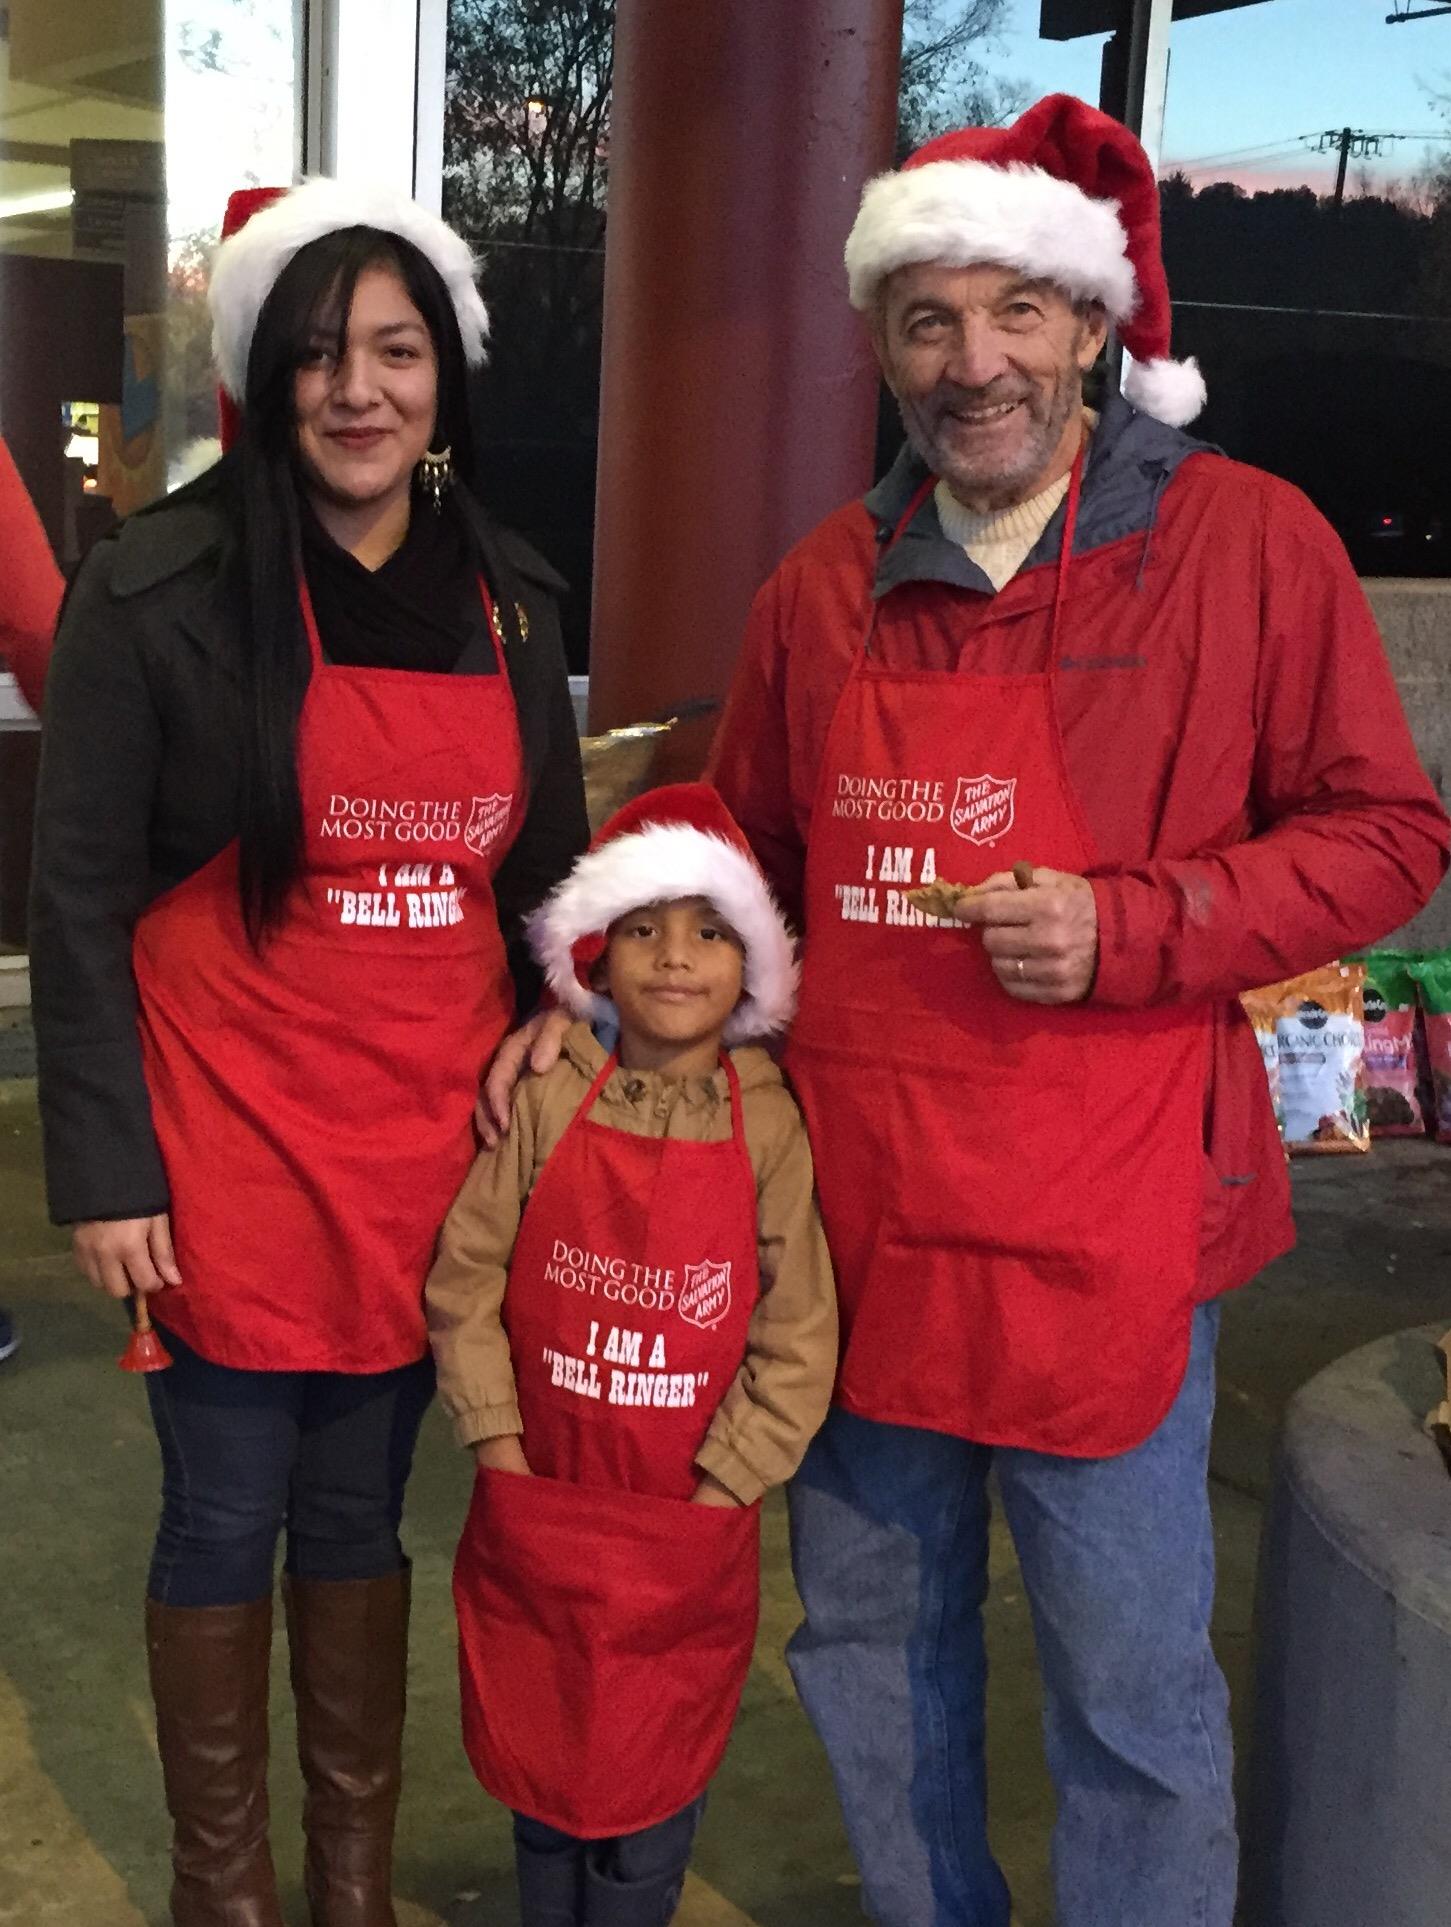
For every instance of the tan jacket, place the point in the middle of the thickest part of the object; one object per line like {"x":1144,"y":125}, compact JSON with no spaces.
{"x":780,"y":1395}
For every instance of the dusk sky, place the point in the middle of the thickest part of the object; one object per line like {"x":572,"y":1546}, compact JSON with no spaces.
{"x":1256,"y":77}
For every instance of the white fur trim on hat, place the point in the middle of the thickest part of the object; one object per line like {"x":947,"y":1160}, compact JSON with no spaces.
{"x":965,"y":212}
{"x":1170,"y":391}
{"x":659,"y":864}
{"x":194,"y":460}
{"x":247,"y":264}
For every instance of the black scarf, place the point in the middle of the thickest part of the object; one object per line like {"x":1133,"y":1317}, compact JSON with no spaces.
{"x":415,"y":612}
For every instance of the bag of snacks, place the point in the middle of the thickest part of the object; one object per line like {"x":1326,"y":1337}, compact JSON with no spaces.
{"x":1391,"y":1069}
{"x":1433,"y":982}
{"x":1262,"y":1008}
{"x":1319,"y":1023}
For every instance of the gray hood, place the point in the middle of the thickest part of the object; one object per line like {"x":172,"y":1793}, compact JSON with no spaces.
{"x":1131,"y":461}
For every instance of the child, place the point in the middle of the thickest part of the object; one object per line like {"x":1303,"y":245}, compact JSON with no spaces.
{"x":632,"y":1305}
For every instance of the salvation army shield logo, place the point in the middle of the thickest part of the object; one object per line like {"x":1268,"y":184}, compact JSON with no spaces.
{"x":982,"y":810}
{"x":705,"y":1296}
{"x":487,"y":822}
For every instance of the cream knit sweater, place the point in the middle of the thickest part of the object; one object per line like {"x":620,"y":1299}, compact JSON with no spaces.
{"x":999,"y":543}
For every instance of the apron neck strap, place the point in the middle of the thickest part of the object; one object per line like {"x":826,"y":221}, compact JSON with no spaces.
{"x":496,"y":627}
{"x":1065,"y":554}
{"x":314,"y":638}
{"x":733,"y":1082}
{"x":309,"y":619}
{"x":738,"y":1118}
{"x":904,"y":521}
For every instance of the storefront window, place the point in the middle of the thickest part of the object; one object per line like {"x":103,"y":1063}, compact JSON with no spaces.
{"x":124,"y":128}
{"x":1307,"y":228}
{"x":526,"y":139}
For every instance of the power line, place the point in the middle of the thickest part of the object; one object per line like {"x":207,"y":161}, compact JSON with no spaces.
{"x":1286,"y":142}
{"x":1321,"y":314}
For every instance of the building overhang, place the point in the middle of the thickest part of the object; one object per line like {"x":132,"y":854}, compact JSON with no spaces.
{"x":1071,"y":19}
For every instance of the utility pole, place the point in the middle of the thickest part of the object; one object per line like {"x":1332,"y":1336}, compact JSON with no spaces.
{"x":1349,"y":141}
{"x":1340,"y":171}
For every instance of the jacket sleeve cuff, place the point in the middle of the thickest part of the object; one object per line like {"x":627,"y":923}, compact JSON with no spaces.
{"x":731,"y":1470}
{"x":1120,"y":978}
{"x":478,"y":1423}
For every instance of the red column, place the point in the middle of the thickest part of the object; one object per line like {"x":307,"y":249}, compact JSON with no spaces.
{"x":738,"y":401}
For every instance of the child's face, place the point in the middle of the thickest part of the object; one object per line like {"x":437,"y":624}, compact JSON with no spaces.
{"x":675,"y":973}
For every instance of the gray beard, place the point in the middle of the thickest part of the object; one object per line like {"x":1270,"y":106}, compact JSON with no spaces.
{"x":1003,"y":487}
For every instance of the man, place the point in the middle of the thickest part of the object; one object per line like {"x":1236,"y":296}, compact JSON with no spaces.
{"x":1095,"y":647}
{"x":1044,"y":1138}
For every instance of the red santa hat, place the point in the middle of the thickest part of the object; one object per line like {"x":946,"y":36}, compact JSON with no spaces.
{"x":679,"y":841}
{"x":1066,"y":194}
{"x":265,"y":227}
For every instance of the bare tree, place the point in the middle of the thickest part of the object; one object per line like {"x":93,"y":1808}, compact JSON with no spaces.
{"x":526,"y":130}
{"x":946,"y":81}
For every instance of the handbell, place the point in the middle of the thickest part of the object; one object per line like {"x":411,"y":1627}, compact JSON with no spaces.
{"x":145,"y":1351}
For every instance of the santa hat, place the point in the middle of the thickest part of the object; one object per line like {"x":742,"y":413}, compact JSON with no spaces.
{"x":679,"y":841}
{"x":266,"y":226}
{"x":1066,"y":194}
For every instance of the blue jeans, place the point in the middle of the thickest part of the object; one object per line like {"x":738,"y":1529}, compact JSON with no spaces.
{"x":651,"y":1864}
{"x":889,"y":1528}
{"x":243,"y":1454}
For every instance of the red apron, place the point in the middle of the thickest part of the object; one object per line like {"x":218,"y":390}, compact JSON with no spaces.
{"x":1011,"y":1192}
{"x":314,"y":1103}
{"x":605,"y":1623}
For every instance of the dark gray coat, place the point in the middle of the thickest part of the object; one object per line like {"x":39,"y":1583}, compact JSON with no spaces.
{"x":139,"y":788}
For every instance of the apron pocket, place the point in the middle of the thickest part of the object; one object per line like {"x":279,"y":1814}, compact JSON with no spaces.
{"x":605,"y":1637}
{"x":1015,"y":1241}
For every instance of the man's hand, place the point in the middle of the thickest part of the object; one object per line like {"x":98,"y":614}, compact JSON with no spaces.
{"x":535,"y":1044}
{"x":1042,"y":941}
{"x":710,"y":1491}
{"x":504,"y":1454}
{"x":122,"y":1255}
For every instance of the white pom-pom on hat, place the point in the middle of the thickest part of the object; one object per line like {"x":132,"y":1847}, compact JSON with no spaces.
{"x":1170,"y":391}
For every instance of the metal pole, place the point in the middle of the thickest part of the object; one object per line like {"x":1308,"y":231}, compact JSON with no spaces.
{"x":739,"y":391}
{"x":1149,"y":73}
{"x":1345,"y":139}
{"x":1146,"y":92}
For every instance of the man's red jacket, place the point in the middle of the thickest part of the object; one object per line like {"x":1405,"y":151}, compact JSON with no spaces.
{"x":1230,"y":725}
{"x":30,"y":585}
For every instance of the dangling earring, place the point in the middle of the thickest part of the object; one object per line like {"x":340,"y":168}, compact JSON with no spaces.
{"x":435,"y":476}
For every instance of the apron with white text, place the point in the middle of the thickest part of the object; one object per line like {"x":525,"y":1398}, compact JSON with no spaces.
{"x":1011,"y":1191}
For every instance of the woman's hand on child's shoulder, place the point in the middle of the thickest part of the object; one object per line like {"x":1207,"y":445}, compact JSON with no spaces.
{"x":534,"y":1047}
{"x":504,"y":1454}
{"x":711,"y":1492}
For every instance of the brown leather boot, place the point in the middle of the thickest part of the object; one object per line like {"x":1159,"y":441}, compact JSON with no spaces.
{"x":349,"y":1641}
{"x":209,"y":1681}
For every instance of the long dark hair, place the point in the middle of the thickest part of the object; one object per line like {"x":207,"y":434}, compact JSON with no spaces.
{"x":265,"y":481}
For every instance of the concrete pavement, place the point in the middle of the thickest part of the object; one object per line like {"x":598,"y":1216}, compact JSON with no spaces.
{"x":83,"y":1839}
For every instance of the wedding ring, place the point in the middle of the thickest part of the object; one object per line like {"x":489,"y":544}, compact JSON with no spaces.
{"x":1019,"y":962}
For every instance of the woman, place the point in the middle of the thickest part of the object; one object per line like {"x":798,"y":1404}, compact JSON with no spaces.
{"x":309,"y":759}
